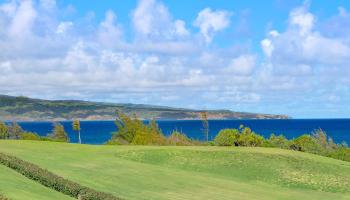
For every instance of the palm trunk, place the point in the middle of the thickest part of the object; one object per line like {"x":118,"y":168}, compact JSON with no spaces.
{"x":79,"y":137}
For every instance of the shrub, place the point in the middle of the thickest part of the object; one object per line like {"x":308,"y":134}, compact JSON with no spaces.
{"x":30,"y":136}
{"x":341,"y":153}
{"x":307,"y":143}
{"x":148,"y":138}
{"x":277,"y":141}
{"x":15,"y":131}
{"x":47,"y":139}
{"x":53,"y":181}
{"x":4,"y":131}
{"x":249,"y":138}
{"x":2,"y":197}
{"x":179,"y":139}
{"x":227,"y":137}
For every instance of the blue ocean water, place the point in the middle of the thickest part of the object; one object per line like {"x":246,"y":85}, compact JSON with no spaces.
{"x":98,"y":132}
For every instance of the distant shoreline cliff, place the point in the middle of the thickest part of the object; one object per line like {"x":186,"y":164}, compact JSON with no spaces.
{"x":28,"y":109}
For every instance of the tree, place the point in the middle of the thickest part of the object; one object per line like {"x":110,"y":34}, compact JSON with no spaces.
{"x":76,"y":127}
{"x":227,"y":137}
{"x":58,"y":133}
{"x":204,"y":117}
{"x":4,"y":131}
{"x":15,"y":131}
{"x":132,"y":130}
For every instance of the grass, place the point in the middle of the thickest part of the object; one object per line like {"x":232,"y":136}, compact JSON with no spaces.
{"x":144,"y":172}
{"x":17,"y":187}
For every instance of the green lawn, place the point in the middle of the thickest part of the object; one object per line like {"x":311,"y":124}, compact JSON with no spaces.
{"x":141,"y":172}
{"x":18,"y":187}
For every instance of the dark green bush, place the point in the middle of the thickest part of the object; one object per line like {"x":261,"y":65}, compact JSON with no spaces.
{"x":53,"y":181}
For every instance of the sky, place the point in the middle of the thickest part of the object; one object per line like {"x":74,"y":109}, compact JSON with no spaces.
{"x":274,"y":56}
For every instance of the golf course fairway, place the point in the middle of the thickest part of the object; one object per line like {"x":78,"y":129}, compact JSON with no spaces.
{"x":169,"y":172}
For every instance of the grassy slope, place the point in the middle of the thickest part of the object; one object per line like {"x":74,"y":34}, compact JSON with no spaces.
{"x":138,"y":172}
{"x":18,"y":187}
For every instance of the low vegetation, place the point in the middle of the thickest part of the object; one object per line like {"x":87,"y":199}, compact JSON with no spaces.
{"x":133,"y":131}
{"x":15,"y":132}
{"x":52,"y":181}
{"x":2,"y":197}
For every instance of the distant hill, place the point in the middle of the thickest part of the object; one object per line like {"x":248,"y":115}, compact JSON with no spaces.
{"x":28,"y":109}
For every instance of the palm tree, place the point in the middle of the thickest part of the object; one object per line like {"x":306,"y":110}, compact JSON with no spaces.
{"x":204,"y":118}
{"x":76,"y":127}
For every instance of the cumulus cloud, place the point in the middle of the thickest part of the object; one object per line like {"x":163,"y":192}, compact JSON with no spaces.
{"x":51,"y":56}
{"x":242,"y":65}
{"x":63,"y":27}
{"x":308,"y":57}
{"x":22,"y":19}
{"x":209,"y":22}
{"x":303,"y":45}
{"x":109,"y":32}
{"x":152,"y":19}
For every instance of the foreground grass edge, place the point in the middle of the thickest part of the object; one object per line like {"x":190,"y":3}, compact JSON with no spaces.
{"x":51,"y":180}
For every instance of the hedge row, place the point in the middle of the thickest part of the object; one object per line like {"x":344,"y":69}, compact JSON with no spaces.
{"x":52,"y":180}
{"x":2,"y":197}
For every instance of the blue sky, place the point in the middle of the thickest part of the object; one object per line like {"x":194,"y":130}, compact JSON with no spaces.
{"x":279,"y":57}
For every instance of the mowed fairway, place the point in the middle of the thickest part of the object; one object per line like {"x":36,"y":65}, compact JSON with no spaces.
{"x":145,"y":172}
{"x":16,"y":186}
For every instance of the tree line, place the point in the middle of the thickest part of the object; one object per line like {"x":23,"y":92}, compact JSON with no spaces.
{"x":15,"y":132}
{"x":133,"y":131}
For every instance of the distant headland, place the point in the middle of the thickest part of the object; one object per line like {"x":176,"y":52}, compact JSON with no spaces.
{"x":28,"y":109}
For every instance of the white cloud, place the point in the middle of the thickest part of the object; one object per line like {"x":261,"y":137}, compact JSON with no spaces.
{"x":23,"y":19}
{"x":180,"y":28}
{"x":242,"y":65}
{"x":302,"y":45}
{"x":9,"y":8}
{"x":152,"y":19}
{"x":62,"y":57}
{"x":110,"y":32}
{"x":210,"y":22}
{"x":301,"y":18}
{"x":48,"y":4}
{"x":63,"y":27}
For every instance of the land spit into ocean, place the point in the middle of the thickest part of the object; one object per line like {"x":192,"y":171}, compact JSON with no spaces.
{"x":28,"y":109}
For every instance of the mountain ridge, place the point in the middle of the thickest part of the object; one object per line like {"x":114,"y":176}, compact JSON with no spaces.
{"x":20,"y":108}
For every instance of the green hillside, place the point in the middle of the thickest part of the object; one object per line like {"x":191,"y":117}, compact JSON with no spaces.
{"x":27,"y":109}
{"x":149,"y":172}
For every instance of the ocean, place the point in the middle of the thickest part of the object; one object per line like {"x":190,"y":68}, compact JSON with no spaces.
{"x":99,"y":132}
